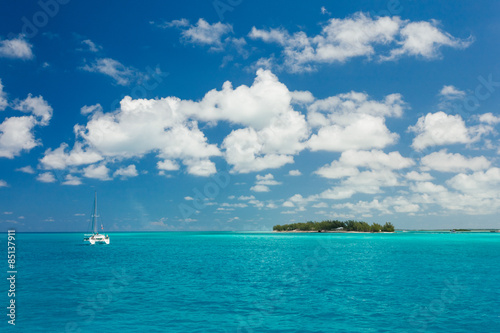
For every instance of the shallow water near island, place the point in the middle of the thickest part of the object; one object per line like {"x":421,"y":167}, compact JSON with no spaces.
{"x":258,"y":282}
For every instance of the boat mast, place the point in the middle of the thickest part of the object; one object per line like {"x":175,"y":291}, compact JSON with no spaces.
{"x":94,"y":220}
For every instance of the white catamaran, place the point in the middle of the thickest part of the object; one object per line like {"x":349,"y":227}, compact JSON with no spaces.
{"x":95,"y":237}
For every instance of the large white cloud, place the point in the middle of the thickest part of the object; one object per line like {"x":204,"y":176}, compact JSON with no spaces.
{"x":449,"y":162}
{"x":341,"y":119}
{"x":359,"y":36}
{"x":17,"y":133}
{"x":60,"y":159}
{"x":436,"y":129}
{"x":37,"y":106}
{"x":350,"y":161}
{"x":424,"y":39}
{"x":272,"y":131}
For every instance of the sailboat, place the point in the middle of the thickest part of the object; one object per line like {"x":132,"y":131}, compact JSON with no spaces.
{"x":95,"y":237}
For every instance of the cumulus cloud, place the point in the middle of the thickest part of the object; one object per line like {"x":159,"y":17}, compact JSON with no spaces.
{"x":437,"y":129}
{"x":424,"y":39}
{"x":294,"y":173}
{"x":262,"y":183}
{"x":16,"y":48}
{"x":37,"y":106}
{"x":202,"y":32}
{"x":126,"y":172}
{"x":3,"y":183}
{"x":342,"y":118}
{"x":60,"y":159}
{"x":72,"y":180}
{"x":143,"y":126}
{"x":480,"y":183}
{"x":451,"y":92}
{"x":273,"y":131}
{"x":16,"y":135}
{"x":359,"y":36}
{"x":449,"y":162}
{"x":489,"y":118}
{"x":47,"y":177}
{"x":100,"y":172}
{"x":167,"y":165}
{"x":414,"y":175}
{"x":26,"y":169}
{"x":350,"y":161}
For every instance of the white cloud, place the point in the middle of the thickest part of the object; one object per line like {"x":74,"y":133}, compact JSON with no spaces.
{"x":427,"y":187}
{"x":167,"y":165}
{"x":59,"y":159}
{"x":245,"y":198}
{"x":3,"y":97}
{"x":188,"y":198}
{"x":262,"y":183}
{"x":349,"y":161}
{"x":449,"y":162}
{"x":200,"y":167}
{"x":325,"y":11}
{"x":202,"y":33}
{"x":3,"y":183}
{"x":440,"y":128}
{"x":260,"y":188}
{"x":121,"y":74}
{"x":17,"y":48}
{"x":100,"y":172}
{"x":341,"y":118}
{"x":294,"y":173}
{"x":489,"y":118}
{"x":91,"y":45}
{"x":266,"y":180}
{"x":37,"y":106}
{"x":337,"y":170}
{"x":129,"y":171}
{"x":88,"y":109}
{"x":451,"y":92}
{"x":26,"y":169}
{"x":16,"y":135}
{"x":274,"y":131}
{"x":425,"y":39}
{"x":414,"y":175}
{"x":46,"y":177}
{"x":72,"y":180}
{"x":143,"y":126}
{"x":482,"y":184}
{"x":358,"y":36}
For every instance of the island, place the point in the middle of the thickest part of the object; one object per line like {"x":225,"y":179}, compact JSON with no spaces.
{"x":334,"y":226}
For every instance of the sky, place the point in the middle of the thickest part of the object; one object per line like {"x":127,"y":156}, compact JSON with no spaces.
{"x":240,"y":115}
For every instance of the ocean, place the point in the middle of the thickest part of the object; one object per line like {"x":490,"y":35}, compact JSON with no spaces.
{"x":255,"y":282}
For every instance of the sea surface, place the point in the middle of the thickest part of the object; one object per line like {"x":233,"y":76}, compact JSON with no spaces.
{"x":256,"y":282}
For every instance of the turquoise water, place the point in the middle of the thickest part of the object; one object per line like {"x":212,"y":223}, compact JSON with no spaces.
{"x":256,"y":282}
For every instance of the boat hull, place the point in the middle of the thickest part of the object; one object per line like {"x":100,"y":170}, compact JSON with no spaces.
{"x":97,"y":239}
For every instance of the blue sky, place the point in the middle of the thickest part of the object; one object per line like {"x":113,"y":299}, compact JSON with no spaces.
{"x":239,"y":115}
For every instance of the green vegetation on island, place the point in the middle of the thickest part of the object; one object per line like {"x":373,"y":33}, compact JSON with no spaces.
{"x":335,"y":225}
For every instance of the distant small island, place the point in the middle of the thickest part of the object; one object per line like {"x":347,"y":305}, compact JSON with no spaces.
{"x":334,"y":226}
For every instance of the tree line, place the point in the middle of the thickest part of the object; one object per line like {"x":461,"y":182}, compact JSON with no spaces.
{"x":329,"y":225}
